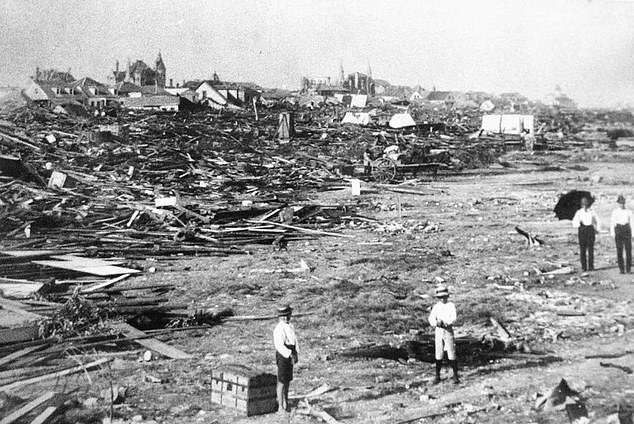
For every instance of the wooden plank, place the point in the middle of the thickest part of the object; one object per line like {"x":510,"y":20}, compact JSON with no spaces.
{"x":90,"y":262}
{"x":20,"y":290}
{"x":54,"y":375}
{"x":44,"y":417}
{"x":100,"y":286}
{"x":102,"y":271}
{"x":28,"y":253}
{"x":18,"y":308}
{"x":151,"y":343}
{"x":20,"y":334}
{"x":18,"y":354}
{"x":17,"y":414}
{"x":304,"y":230}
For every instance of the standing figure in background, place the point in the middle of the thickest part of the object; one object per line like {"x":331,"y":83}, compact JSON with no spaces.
{"x":621,"y":229}
{"x":285,"y":355}
{"x":588,"y":224}
{"x":529,"y":140}
{"x":442,"y":318}
{"x":367,"y":162}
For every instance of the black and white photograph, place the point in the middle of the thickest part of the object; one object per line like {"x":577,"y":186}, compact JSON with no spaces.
{"x":316,"y":211}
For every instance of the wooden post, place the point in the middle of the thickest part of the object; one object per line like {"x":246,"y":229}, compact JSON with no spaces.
{"x":255,"y":108}
{"x":286,"y":129}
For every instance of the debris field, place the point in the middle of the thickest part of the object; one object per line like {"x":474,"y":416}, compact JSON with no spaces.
{"x":144,"y":251}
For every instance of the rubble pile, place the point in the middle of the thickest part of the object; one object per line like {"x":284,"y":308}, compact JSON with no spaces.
{"x":151,"y":182}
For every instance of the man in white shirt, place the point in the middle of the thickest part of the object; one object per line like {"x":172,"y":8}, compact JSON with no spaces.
{"x":442,"y":318}
{"x":588,"y":224}
{"x":621,"y":230}
{"x":285,"y":342}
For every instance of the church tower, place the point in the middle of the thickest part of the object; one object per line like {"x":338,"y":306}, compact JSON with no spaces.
{"x":160,"y":71}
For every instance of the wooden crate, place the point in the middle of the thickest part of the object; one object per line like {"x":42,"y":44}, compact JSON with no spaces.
{"x":244,"y":389}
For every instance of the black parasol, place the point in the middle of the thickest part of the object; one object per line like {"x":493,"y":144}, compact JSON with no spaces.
{"x":570,"y":203}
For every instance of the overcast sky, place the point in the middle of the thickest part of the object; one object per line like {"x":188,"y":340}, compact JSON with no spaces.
{"x":585,"y":46}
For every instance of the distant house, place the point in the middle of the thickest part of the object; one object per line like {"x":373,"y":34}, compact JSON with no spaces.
{"x":154,"y":90}
{"x":209,"y":96}
{"x":156,"y":103}
{"x":85,"y":91}
{"x":218,"y":94}
{"x":190,"y":95}
{"x":127,"y":89}
{"x":446,"y":97}
{"x":95,"y":94}
{"x":419,"y":95}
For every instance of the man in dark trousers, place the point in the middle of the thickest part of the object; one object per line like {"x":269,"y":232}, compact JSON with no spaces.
{"x":588,"y":224}
{"x":621,"y":230}
{"x":286,"y":355}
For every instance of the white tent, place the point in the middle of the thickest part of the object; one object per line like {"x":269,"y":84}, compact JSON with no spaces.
{"x":402,"y":120}
{"x":487,"y":106}
{"x":508,"y":124}
{"x":357,"y":118}
{"x":359,"y":100}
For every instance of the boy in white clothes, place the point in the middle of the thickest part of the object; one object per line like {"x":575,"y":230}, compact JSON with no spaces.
{"x":621,"y":229}
{"x":442,"y":318}
{"x":285,"y":354}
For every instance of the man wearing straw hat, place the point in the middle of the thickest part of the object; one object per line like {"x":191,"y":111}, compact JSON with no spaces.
{"x":621,"y":230}
{"x":285,"y":355}
{"x":442,"y":318}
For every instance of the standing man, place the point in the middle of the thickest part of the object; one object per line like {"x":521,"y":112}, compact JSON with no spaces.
{"x":367,"y":161}
{"x":621,"y":230}
{"x":285,"y":355}
{"x":442,"y":318}
{"x":588,"y":224}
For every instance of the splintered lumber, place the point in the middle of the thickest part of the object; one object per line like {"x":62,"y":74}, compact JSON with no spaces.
{"x":18,"y":141}
{"x":153,"y":344}
{"x":305,"y":230}
{"x":20,"y":290}
{"x":105,"y":284}
{"x":101,"y":270}
{"x":325,"y":416}
{"x":21,"y":324}
{"x":54,"y":375}
{"x":14,"y":416}
{"x":45,"y":416}
{"x":502,"y":332}
{"x":18,"y":308}
{"x":18,"y":354}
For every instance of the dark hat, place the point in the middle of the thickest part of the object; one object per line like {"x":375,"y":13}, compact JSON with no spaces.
{"x":442,"y":291}
{"x":621,"y":199}
{"x":284,"y":310}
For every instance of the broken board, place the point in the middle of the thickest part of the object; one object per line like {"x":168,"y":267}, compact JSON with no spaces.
{"x":88,"y":266}
{"x":151,"y":343}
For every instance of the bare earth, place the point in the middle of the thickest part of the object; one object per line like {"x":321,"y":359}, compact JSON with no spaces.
{"x":373,"y":288}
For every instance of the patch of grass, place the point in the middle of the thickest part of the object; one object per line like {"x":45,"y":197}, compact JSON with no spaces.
{"x":478,"y":308}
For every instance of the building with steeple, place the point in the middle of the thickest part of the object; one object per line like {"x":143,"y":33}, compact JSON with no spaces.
{"x":141,"y":74}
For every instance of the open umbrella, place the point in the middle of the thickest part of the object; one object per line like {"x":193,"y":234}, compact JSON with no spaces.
{"x":570,"y":203}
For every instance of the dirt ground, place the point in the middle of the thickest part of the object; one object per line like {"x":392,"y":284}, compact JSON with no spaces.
{"x":374,"y":287}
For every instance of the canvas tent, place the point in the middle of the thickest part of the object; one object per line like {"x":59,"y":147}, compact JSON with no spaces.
{"x":357,"y":118}
{"x":402,"y":120}
{"x":359,"y":100}
{"x":508,"y":124}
